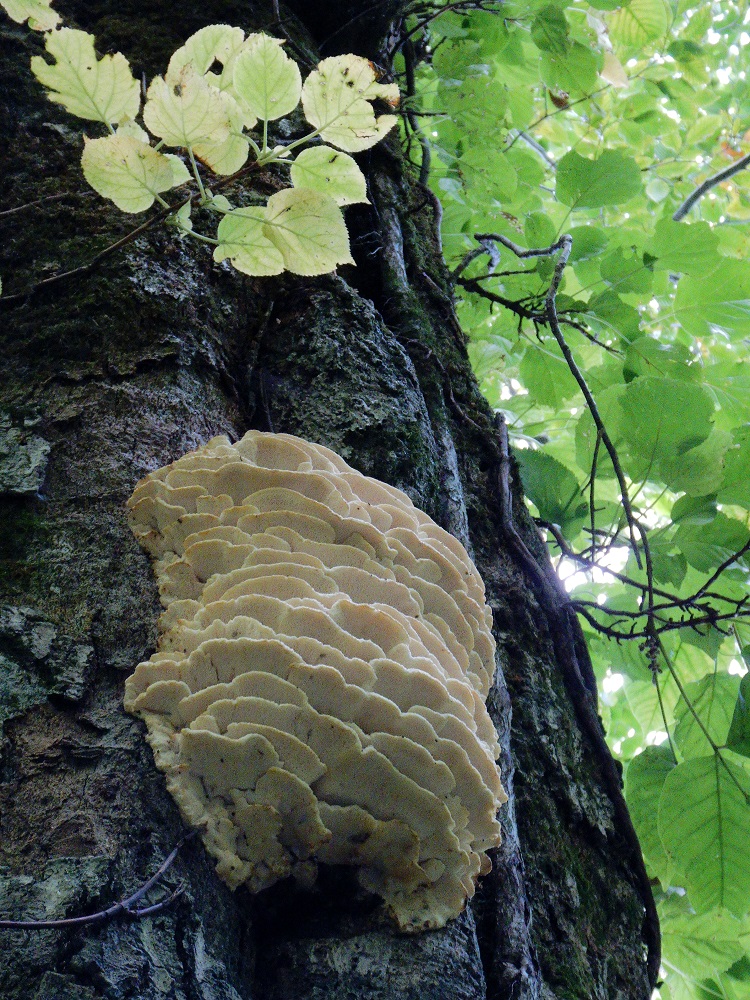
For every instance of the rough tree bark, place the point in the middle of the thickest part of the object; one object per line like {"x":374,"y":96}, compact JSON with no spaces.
{"x":121,"y":371}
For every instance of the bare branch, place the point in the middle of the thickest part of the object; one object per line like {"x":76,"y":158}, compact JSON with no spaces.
{"x":709,"y":183}
{"x":125,"y":906}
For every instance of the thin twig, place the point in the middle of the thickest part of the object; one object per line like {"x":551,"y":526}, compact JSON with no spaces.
{"x":125,"y":906}
{"x":410,"y":61}
{"x":44,"y":201}
{"x":709,"y":183}
{"x":7,"y":300}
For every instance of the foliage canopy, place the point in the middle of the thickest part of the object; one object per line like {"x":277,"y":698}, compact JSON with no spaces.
{"x":624,"y":125}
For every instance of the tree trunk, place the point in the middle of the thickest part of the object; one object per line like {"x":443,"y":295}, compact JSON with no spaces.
{"x":124,"y":369}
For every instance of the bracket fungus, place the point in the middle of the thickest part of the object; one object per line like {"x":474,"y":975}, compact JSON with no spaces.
{"x":318,"y":694}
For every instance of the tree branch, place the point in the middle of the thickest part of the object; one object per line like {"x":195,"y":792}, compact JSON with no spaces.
{"x":125,"y":906}
{"x":709,"y":183}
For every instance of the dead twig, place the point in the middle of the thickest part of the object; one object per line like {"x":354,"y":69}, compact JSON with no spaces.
{"x":126,"y":907}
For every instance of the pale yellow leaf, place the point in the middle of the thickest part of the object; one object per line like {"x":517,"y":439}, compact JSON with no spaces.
{"x":126,"y":170}
{"x":230,"y":154}
{"x":101,"y":90}
{"x":266,"y":80}
{"x":40,"y":16}
{"x":336,"y":99}
{"x":332,"y":172}
{"x":308,"y":229}
{"x":612,"y":71}
{"x":243,"y":241}
{"x":216,"y":43}
{"x":185,"y":110}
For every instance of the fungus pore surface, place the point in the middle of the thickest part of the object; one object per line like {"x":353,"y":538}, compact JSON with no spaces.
{"x":318,"y":693}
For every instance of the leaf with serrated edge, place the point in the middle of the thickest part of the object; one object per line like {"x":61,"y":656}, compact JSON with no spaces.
{"x":702,"y":944}
{"x":331,"y":172}
{"x":185,"y":110}
{"x":704,"y":813}
{"x":40,"y":16}
{"x":336,"y":99}
{"x":309,"y":230}
{"x":215,"y":43}
{"x":127,"y":171}
{"x":243,"y":241}
{"x":101,"y":90}
{"x":266,"y":80}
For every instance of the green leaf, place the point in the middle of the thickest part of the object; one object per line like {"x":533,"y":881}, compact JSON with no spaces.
{"x":738,"y":737}
{"x":735,"y":487}
{"x":549,"y":30}
{"x":337,"y":96}
{"x":552,"y":487}
{"x":38,"y":12}
{"x":700,"y":945}
{"x":640,"y":22}
{"x":654,"y":423}
{"x":643,"y":699}
{"x":547,"y":377}
{"x":128,"y":171}
{"x":644,"y":781}
{"x":703,"y":822}
{"x":242,"y":239}
{"x":265,"y":79}
{"x":575,"y":71}
{"x":588,"y":242}
{"x":690,"y":249}
{"x":331,"y":172}
{"x":713,"y":700}
{"x":610,"y":180}
{"x":706,"y":546}
{"x":649,"y":356}
{"x":185,"y":110}
{"x":101,"y":90}
{"x":700,"y":470}
{"x":717,"y":301}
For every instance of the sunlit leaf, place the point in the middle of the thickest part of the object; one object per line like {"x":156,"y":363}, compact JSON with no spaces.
{"x":243,"y":241}
{"x":640,"y":22}
{"x":717,"y":301}
{"x":309,"y":231}
{"x":40,"y":15}
{"x":331,"y":172}
{"x":337,"y":99}
{"x":703,"y":944}
{"x":690,"y":248}
{"x":127,"y":170}
{"x":644,"y":782}
{"x":185,"y":110}
{"x":101,"y":90}
{"x":266,"y":80}
{"x":713,"y":700}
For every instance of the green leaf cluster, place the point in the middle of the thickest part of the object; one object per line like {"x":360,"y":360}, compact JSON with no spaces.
{"x":601,"y":120}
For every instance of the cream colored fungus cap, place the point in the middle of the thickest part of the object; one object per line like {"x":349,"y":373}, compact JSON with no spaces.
{"x":317,"y":696}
